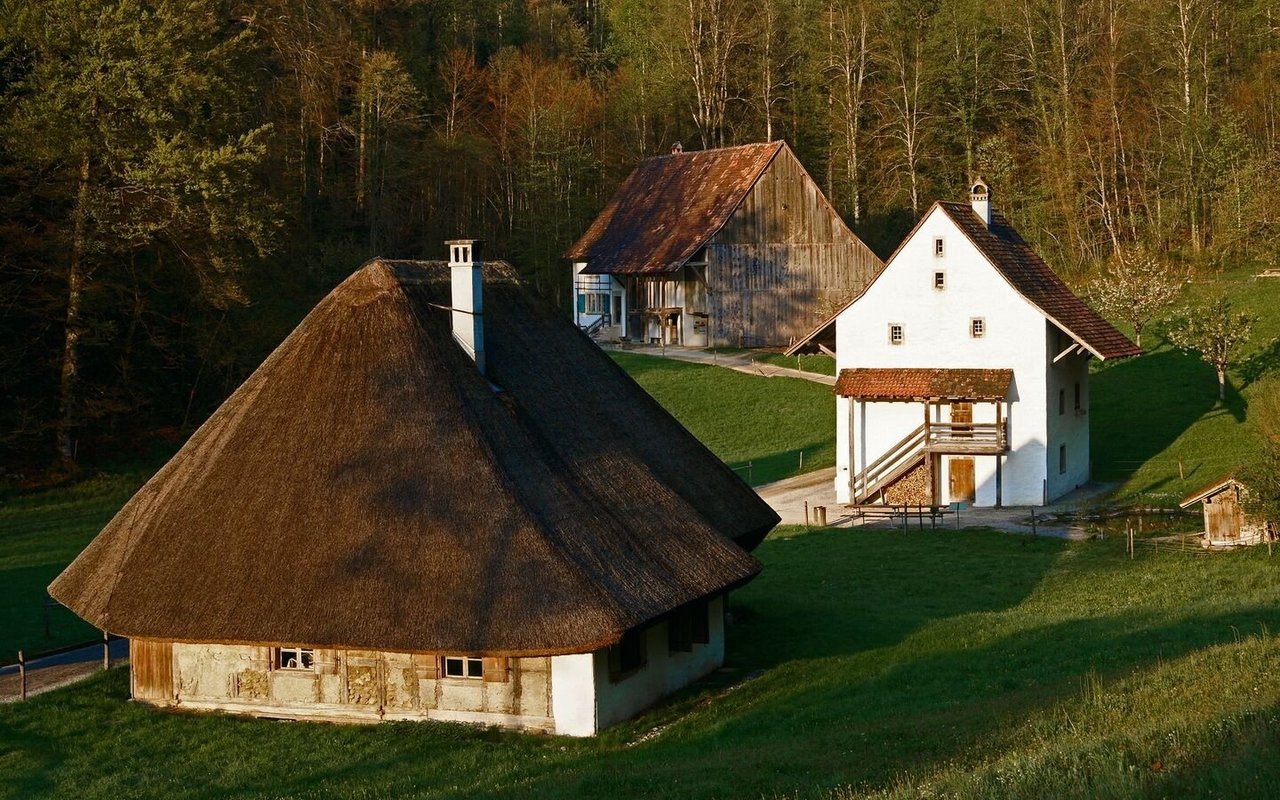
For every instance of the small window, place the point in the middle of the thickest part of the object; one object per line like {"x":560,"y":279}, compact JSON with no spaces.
{"x":463,"y":667}
{"x":628,"y":655}
{"x":895,"y":333}
{"x":978,"y":327}
{"x":701,"y":622}
{"x":680,"y":631}
{"x":1062,"y":401}
{"x":295,"y":658}
{"x":595,"y":303}
{"x":939,"y":279}
{"x":1077,"y":406}
{"x":1062,"y":459}
{"x":937,"y":246}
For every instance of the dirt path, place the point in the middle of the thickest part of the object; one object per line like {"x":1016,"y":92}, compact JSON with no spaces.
{"x":788,"y":498}
{"x":54,"y":671}
{"x":739,"y":362}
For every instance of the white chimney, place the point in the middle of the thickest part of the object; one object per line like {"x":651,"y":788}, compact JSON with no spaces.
{"x":980,"y":198}
{"x":467,"y":299}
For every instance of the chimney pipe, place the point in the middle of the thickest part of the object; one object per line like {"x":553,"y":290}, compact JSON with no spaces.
{"x":677,"y":148}
{"x":467,"y":301}
{"x":980,"y":199}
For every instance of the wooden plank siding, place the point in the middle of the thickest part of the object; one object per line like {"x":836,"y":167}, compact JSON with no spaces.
{"x":151,"y":667}
{"x":783,"y":259}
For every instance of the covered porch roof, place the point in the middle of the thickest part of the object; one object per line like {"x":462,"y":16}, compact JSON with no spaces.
{"x":920,"y":384}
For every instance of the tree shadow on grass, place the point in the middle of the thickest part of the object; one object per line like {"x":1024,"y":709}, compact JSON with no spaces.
{"x":1140,"y":406}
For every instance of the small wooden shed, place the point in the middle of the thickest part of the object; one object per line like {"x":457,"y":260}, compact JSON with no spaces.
{"x":1225,"y":522}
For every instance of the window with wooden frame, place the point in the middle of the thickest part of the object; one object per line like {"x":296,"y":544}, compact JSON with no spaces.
{"x":937,"y":247}
{"x":680,"y":630}
{"x":463,"y":667}
{"x":701,"y":619}
{"x":628,"y":656}
{"x":939,"y":279}
{"x":299,"y":658}
{"x":977,"y":327}
{"x":896,"y":333}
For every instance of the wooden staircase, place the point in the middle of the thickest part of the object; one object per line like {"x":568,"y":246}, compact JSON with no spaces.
{"x":944,"y":438}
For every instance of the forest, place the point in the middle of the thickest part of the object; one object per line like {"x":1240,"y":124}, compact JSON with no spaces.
{"x":180,"y":180}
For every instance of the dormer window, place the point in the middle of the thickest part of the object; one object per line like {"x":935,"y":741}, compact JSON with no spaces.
{"x":937,"y":246}
{"x":939,"y":279}
{"x":895,"y":333}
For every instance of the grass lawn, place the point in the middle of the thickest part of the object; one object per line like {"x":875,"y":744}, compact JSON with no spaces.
{"x":766,"y":422}
{"x":813,"y":362}
{"x":1151,"y":411}
{"x":39,"y":535}
{"x":967,"y":664}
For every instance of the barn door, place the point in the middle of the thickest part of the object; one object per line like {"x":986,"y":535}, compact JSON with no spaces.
{"x":962,"y":484}
{"x":961,"y":419}
{"x":151,"y":666}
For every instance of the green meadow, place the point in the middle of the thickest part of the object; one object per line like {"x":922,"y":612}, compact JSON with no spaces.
{"x":866,"y":663}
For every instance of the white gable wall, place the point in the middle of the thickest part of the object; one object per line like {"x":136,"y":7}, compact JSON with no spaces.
{"x":936,"y":335}
{"x":1067,"y":427}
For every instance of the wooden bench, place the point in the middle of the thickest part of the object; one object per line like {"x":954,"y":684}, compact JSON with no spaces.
{"x":907,"y":512}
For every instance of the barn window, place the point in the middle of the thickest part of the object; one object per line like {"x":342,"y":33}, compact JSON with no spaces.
{"x":1062,"y":459}
{"x":937,"y":246}
{"x":895,"y":333}
{"x":295,"y":658}
{"x":680,"y":631}
{"x":701,"y":622}
{"x":978,"y":327}
{"x":463,"y":667}
{"x":628,"y":655}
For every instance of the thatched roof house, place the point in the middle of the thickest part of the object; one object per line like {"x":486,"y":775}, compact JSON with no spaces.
{"x":369,"y":492}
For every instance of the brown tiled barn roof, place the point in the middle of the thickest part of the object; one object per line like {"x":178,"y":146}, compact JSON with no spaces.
{"x":669,"y":207}
{"x":918,"y":384}
{"x":1034,"y":280}
{"x":366,"y":487}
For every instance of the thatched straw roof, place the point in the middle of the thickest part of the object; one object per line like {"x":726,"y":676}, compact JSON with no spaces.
{"x":367,"y":487}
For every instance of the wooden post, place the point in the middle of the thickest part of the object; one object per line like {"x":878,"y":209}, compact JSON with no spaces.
{"x":22,"y":674}
{"x":1181,"y":475}
{"x":1033,"y":521}
{"x":106,"y":651}
{"x":806,"y":513}
{"x":802,"y":460}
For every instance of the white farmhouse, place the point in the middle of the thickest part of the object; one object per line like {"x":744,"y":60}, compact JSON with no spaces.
{"x":963,"y":370}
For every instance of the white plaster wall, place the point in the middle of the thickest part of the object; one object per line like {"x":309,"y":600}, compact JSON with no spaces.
{"x":582,"y":319}
{"x":585,"y":701}
{"x":936,"y":335}
{"x":573,"y":694}
{"x":1070,"y":428}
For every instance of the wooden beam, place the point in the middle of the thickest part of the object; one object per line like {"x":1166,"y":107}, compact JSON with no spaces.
{"x":1073,"y":347}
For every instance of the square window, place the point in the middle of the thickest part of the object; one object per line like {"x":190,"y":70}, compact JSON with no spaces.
{"x":299,"y":658}
{"x":978,"y":327}
{"x":896,"y":335}
{"x":463,"y":667}
{"x":937,"y":246}
{"x":939,"y":279}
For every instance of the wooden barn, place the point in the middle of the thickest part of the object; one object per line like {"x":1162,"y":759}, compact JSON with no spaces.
{"x":399,"y":516}
{"x":734,"y":246}
{"x":1225,"y":522}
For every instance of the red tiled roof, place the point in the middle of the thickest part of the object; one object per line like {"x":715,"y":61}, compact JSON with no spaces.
{"x":916,"y":384}
{"x":1034,"y":280}
{"x":668,"y":207}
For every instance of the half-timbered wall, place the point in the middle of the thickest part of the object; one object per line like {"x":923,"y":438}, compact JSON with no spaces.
{"x":783,"y":260}
{"x":343,"y":685}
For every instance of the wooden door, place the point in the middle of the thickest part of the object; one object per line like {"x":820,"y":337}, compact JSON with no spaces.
{"x":961,"y":419}
{"x":151,"y":665}
{"x":962,"y":484}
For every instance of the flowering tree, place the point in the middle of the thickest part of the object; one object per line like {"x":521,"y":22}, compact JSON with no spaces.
{"x":1216,"y":331}
{"x":1137,"y":287}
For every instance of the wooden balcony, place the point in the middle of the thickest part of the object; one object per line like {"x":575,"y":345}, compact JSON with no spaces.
{"x":966,"y":438}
